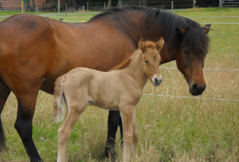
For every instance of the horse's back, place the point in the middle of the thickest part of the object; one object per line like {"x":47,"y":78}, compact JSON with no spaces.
{"x":24,"y":28}
{"x":37,"y":50}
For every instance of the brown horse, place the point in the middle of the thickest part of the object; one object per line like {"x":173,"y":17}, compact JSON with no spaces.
{"x":34,"y":51}
{"x":119,"y":89}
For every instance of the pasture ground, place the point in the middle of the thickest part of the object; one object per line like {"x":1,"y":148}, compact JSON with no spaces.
{"x":171,"y":129}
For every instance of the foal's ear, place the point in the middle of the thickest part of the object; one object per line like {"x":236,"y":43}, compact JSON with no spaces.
{"x":141,"y":44}
{"x":206,"y":28}
{"x":159,"y":44}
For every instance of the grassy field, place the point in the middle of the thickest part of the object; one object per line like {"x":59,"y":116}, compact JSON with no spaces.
{"x":171,"y":129}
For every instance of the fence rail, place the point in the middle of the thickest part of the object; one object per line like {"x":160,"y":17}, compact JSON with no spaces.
{"x":172,"y":68}
{"x":12,"y":5}
{"x":195,"y":98}
{"x":201,"y":98}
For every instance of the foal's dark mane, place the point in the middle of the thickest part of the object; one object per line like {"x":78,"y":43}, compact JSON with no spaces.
{"x":163,"y":23}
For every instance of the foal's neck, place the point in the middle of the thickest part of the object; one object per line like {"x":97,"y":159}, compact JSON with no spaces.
{"x":136,"y":69}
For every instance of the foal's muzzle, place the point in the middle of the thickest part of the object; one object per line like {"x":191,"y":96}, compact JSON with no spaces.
{"x":156,"y":80}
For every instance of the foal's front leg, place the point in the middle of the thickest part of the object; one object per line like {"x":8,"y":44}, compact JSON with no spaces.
{"x":65,"y":130}
{"x":127,"y":113}
{"x":135,"y":135}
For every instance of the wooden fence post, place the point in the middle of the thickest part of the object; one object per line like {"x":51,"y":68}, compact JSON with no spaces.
{"x":59,"y":5}
{"x":220,"y":3}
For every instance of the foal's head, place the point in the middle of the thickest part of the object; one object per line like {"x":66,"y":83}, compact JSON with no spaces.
{"x":151,"y":59}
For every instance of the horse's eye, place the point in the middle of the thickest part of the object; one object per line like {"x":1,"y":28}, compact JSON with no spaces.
{"x":146,"y":62}
{"x":186,"y":52}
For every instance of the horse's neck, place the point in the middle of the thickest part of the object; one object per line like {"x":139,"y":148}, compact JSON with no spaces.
{"x":151,"y":32}
{"x":132,"y":25}
{"x":136,"y":70}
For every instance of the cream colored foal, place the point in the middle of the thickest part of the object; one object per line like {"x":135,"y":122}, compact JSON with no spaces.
{"x":119,"y":89}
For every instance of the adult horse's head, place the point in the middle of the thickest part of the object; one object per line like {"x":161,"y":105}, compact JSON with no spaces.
{"x":185,"y":40}
{"x":191,"y":55}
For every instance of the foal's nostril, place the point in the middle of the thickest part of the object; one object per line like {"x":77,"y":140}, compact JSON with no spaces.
{"x":157,"y":81}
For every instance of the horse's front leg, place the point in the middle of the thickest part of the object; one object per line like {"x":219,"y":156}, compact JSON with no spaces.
{"x":127,"y":113}
{"x":114,"y":120}
{"x":23,"y":125}
{"x":74,"y":111}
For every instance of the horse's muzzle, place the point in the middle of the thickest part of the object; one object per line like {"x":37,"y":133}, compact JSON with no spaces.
{"x":196,"y":90}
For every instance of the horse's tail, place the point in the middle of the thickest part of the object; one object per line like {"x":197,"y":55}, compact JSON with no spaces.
{"x":58,"y":95}
{"x":4,"y":91}
{"x":3,"y":145}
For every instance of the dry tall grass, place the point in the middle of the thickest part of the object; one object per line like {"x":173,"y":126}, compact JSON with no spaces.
{"x":171,"y":129}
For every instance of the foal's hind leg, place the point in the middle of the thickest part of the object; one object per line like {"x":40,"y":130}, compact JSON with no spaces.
{"x":74,"y":111}
{"x":4,"y":93}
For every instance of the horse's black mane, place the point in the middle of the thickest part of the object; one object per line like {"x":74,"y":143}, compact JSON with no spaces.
{"x":116,"y":10}
{"x":196,"y":40}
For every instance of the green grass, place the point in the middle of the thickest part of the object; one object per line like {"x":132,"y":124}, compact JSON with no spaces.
{"x":171,"y":129}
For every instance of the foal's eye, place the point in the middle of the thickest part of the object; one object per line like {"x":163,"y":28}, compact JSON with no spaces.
{"x":146,"y":62}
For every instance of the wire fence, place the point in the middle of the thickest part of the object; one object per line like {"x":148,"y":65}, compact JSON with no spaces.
{"x":219,"y":23}
{"x":195,"y":98}
{"x":172,"y":68}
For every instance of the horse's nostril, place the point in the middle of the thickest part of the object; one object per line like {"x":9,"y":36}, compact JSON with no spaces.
{"x":195,"y":87}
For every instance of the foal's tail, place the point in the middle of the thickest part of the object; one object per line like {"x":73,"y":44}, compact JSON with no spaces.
{"x":58,"y":94}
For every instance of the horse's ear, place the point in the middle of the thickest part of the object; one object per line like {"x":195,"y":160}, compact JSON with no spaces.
{"x":141,"y":44}
{"x":206,"y":28}
{"x":159,"y":44}
{"x":181,"y":32}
